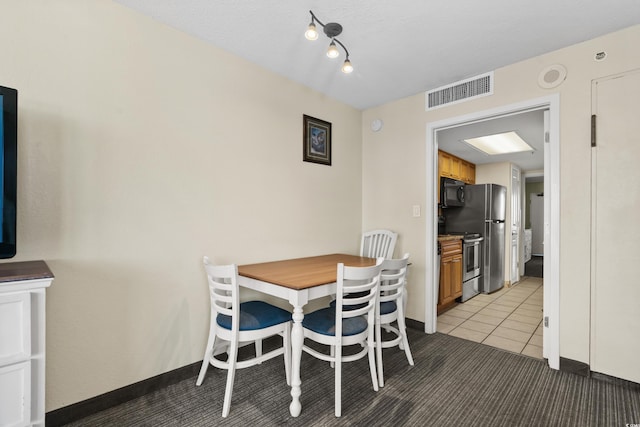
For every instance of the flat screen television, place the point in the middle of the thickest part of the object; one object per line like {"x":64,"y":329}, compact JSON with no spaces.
{"x":8,"y":169}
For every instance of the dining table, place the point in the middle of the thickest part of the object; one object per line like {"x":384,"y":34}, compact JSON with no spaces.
{"x":298,"y":281}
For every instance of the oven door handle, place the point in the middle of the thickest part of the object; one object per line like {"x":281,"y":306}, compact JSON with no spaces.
{"x":475,"y":240}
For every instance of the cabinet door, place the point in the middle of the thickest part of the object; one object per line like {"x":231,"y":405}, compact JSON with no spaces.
{"x":455,"y":168}
{"x":444,"y":164}
{"x":467,"y":172}
{"x":15,"y":390}
{"x":445,"y":281}
{"x":15,"y":327}
{"x":456,"y":276}
{"x":464,"y":171}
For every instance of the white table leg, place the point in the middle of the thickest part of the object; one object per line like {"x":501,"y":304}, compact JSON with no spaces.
{"x":297,"y":339}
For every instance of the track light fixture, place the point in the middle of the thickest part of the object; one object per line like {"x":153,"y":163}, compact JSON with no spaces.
{"x":331,"y":30}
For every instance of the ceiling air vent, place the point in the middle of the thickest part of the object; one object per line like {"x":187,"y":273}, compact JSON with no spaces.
{"x":475,"y":87}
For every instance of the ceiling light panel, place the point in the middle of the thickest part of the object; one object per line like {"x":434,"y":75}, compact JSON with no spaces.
{"x":501,"y":143}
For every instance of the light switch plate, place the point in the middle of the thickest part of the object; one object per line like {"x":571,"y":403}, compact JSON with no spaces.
{"x":416,"y":211}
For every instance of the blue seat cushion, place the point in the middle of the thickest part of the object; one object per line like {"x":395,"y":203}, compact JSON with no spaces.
{"x":387,"y":307}
{"x":256,"y":315}
{"x":323,"y":322}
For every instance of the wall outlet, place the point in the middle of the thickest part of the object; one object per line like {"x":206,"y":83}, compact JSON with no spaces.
{"x":416,"y":211}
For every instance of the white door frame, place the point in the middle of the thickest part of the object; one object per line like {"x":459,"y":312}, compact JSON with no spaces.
{"x":552,"y":245}
{"x":516,"y":220}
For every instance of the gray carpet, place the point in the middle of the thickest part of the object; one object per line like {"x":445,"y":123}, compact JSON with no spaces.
{"x":453,"y":382}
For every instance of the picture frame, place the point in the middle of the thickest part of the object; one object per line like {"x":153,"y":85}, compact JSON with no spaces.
{"x":316,"y":140}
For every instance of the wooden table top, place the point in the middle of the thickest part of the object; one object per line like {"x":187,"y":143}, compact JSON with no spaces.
{"x":302,"y":273}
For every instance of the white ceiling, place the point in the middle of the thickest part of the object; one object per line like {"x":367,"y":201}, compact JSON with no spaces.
{"x":398,"y":48}
{"x":529,"y":125}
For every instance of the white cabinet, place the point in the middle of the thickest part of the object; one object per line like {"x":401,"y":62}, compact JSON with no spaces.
{"x":22,"y":342}
{"x":15,"y":394}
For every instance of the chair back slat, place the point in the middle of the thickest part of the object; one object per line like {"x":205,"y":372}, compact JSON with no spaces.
{"x":223,"y":290}
{"x":378,"y":243}
{"x":393,"y":278}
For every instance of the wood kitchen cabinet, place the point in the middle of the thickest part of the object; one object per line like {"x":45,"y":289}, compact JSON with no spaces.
{"x":454,"y":167}
{"x":444,"y":164}
{"x":448,"y":165}
{"x":450,"y":273}
{"x":467,"y":172}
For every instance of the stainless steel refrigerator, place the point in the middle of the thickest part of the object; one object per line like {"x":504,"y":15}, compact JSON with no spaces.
{"x":483,"y":212}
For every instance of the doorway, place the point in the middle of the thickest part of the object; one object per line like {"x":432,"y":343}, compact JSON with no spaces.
{"x":533,"y":266}
{"x":551,"y":166}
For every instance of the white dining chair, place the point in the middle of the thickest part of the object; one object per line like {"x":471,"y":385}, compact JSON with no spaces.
{"x":234,"y":323}
{"x":378,"y":243}
{"x":351,"y":322}
{"x":391,"y":309}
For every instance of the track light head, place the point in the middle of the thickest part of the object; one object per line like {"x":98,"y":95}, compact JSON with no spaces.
{"x":333,"y":51}
{"x":347,"y":68}
{"x":311,"y":33}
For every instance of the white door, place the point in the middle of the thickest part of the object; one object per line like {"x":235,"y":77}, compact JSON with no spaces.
{"x":516,"y":190}
{"x":537,"y":223}
{"x":615,"y":290}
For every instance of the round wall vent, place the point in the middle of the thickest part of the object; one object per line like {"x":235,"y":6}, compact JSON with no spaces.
{"x":377,"y":125}
{"x":552,"y":76}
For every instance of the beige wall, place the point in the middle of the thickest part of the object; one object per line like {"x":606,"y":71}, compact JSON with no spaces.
{"x":402,"y":143}
{"x":142,"y":149}
{"x":393,"y":181}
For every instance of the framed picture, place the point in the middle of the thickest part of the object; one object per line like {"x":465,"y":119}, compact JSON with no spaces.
{"x":316,"y":140}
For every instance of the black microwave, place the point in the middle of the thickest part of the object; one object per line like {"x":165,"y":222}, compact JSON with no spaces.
{"x":451,"y":193}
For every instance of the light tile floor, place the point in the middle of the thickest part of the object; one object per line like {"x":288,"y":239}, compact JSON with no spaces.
{"x":510,"y":319}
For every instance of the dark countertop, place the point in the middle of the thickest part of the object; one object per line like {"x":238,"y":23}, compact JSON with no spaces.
{"x":26,"y":270}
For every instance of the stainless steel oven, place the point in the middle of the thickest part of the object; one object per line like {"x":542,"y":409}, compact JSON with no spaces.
{"x":472,"y":255}
{"x":471,"y":265}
